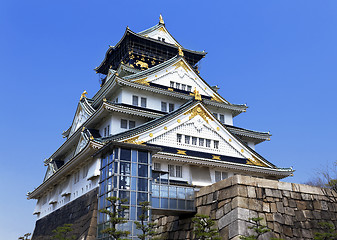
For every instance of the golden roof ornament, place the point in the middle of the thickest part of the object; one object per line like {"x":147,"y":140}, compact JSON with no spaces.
{"x":180,"y":52}
{"x":83,"y":95}
{"x":161,"y":20}
{"x":196,"y":94}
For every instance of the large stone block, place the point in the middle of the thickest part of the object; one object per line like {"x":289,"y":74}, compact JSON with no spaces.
{"x":240,"y":202}
{"x":284,"y":186}
{"x":254,"y":204}
{"x":251,"y":192}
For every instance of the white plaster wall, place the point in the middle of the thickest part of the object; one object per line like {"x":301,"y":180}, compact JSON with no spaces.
{"x":77,"y":190}
{"x":114,"y":120}
{"x":153,"y":99}
{"x":227,"y":114}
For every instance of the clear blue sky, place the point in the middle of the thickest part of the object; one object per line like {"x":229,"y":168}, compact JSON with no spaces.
{"x":278,"y":56}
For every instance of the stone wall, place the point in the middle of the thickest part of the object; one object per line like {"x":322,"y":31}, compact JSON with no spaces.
{"x":82,"y":213}
{"x":291,"y":211}
{"x":173,"y":227}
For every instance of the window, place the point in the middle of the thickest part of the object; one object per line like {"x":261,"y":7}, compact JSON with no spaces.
{"x":189,"y":88}
{"x":135,"y":100}
{"x":171,"y":107}
{"x":183,"y":87}
{"x":163,"y":39}
{"x":201,"y":142}
{"x":124,"y":123}
{"x":143,"y":102}
{"x":104,"y":135}
{"x":116,"y":101}
{"x":157,"y":166}
{"x":208,"y":143}
{"x":85,"y":171}
{"x":164,"y":106}
{"x":159,"y":38}
{"x":215,"y":115}
{"x":106,"y":131}
{"x":187,"y":139}
{"x":179,"y":171}
{"x":194,"y":141}
{"x":171,"y":170}
{"x":175,"y":171}
{"x":76,"y":177}
{"x":220,"y":176}
{"x":171,"y":84}
{"x":179,"y":138}
{"x":222,"y":118}
{"x":132,"y":124}
{"x":178,"y":85}
{"x":216,"y":144}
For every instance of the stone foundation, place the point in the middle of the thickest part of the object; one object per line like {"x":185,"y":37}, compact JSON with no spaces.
{"x":82,"y":213}
{"x":291,"y":211}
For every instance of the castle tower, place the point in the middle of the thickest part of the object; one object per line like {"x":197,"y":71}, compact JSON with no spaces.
{"x":155,"y":131}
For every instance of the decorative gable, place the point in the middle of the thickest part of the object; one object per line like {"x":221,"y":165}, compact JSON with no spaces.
{"x":179,"y":75}
{"x":83,"y":112}
{"x":163,"y":35}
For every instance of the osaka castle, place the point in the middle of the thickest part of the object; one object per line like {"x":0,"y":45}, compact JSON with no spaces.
{"x":155,"y":131}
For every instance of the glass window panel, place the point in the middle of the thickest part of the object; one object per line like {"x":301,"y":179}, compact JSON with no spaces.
{"x":216,"y":144}
{"x":163,"y":191}
{"x":101,"y":202}
{"x":215,"y":115}
{"x":134,"y":170}
{"x":155,"y":202}
{"x":141,"y":197}
{"x":104,"y":162}
{"x":171,"y":84}
{"x":224,"y":175}
{"x":194,"y":140}
{"x":142,"y":170}
{"x":109,"y":170}
{"x":179,"y":171}
{"x":124,"y":182}
{"x":178,"y":85}
{"x":114,"y":181}
{"x":116,"y":153}
{"x":109,"y":184}
{"x":125,"y":154}
{"x":111,"y":157}
{"x":143,"y":102}
{"x":164,"y":203}
{"x":134,"y":155}
{"x":181,"y":204}
{"x":187,"y":139}
{"x":142,"y":157}
{"x":157,"y":166}
{"x":99,"y":230}
{"x":133,"y":198}
{"x":164,"y":106}
{"x":102,"y":188}
{"x":124,"y":123}
{"x":171,"y":107}
{"x":208,"y":143}
{"x":125,"y":168}
{"x":103,"y":173}
{"x":132,"y":213}
{"x":222,"y":118}
{"x":155,"y":190}
{"x":179,"y":138}
{"x":189,"y":88}
{"x":173,"y":192}
{"x":201,"y":142}
{"x":156,"y":177}
{"x":101,"y":217}
{"x":217,"y":176}
{"x":171,"y":170}
{"x":135,"y":100}
{"x":115,"y":168}
{"x":142,"y":184}
{"x":173,"y":203}
{"x":190,"y":205}
{"x":164,"y":178}
{"x":132,"y":124}
{"x":181,"y":192}
{"x":189,"y":193}
{"x":124,"y":195}
{"x":134,"y":183}
{"x":183,"y":86}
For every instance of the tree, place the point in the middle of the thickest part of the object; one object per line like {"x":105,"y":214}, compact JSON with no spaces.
{"x":325,"y":178}
{"x":146,"y":227}
{"x":258,"y":228}
{"x":203,"y":228}
{"x":115,"y":218}
{"x":61,"y":232}
{"x":25,"y":237}
{"x":328,"y":232}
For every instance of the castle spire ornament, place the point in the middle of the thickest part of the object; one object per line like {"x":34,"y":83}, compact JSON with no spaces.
{"x":83,"y":95}
{"x":161,"y":20}
{"x":196,"y":94}
{"x":180,"y":52}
